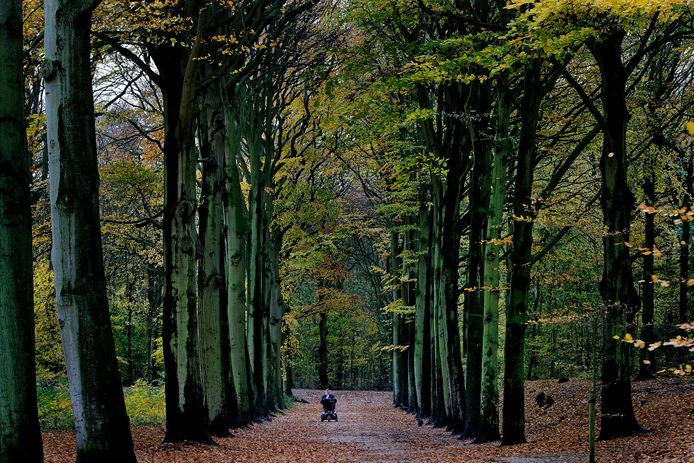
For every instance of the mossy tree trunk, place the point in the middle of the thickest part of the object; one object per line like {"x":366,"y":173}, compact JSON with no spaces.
{"x":101,"y":423}
{"x":513,"y":431}
{"x":647,"y":368}
{"x":214,"y":325}
{"x":489,"y":406}
{"x":478,"y":195}
{"x":236,"y":232}
{"x":399,"y":333}
{"x":422,"y":331}
{"x":186,"y":413}
{"x":616,"y":200}
{"x":20,"y":437}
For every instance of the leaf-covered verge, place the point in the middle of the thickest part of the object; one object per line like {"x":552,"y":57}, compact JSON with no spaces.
{"x":371,"y":429}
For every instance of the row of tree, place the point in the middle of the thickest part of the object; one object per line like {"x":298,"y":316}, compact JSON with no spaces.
{"x":321,"y":162}
{"x":233,"y":81}
{"x":462,"y":93}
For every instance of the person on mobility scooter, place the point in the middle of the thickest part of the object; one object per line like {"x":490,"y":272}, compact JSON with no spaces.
{"x":328,"y":402}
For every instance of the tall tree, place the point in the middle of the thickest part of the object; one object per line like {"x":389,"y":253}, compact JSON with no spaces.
{"x":616,"y":200}
{"x":20,"y":438}
{"x":489,"y":406}
{"x":101,"y":422}
{"x":214,"y":325}
{"x":524,"y":215}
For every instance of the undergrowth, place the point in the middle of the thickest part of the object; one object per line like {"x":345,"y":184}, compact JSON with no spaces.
{"x":144,"y":403}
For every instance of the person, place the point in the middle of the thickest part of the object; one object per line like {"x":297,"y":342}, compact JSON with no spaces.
{"x":328,"y":401}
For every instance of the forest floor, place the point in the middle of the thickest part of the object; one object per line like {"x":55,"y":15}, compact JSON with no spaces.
{"x":370,"y":429}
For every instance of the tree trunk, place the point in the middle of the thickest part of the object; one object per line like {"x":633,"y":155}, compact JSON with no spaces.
{"x":685,"y":316}
{"x":647,"y":365}
{"x":422,"y":332}
{"x":409,"y":301}
{"x":399,"y":339}
{"x":517,"y":310}
{"x":101,"y":423}
{"x":449,"y":343}
{"x":213,"y":330}
{"x":236,"y":232}
{"x":186,"y":414}
{"x":256,"y":339}
{"x":20,"y":437}
{"x":616,"y":200}
{"x":276,"y":313}
{"x":323,"y":350}
{"x":489,"y":407}
{"x":474,"y":309}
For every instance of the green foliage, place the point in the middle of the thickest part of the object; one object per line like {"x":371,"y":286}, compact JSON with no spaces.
{"x":55,"y":413}
{"x":49,"y":354}
{"x":144,"y":403}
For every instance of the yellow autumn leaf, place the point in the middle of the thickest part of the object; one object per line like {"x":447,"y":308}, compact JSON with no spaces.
{"x":628,"y":338}
{"x":690,"y":127}
{"x":640,"y":343}
{"x":654,"y":278}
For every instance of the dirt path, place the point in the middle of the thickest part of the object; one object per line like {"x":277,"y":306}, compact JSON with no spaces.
{"x":370,"y":429}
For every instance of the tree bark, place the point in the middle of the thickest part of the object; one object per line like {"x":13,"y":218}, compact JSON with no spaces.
{"x":647,"y":370}
{"x":20,"y":437}
{"x":101,"y":422}
{"x":489,"y":407}
{"x":517,"y":311}
{"x":323,"y":350}
{"x":399,"y":339}
{"x":478,"y":209}
{"x":684,"y":310}
{"x":213,"y":331}
{"x":186,"y":414}
{"x":236,"y":232}
{"x":276,"y":313}
{"x":616,"y":200}
{"x":422,"y":332}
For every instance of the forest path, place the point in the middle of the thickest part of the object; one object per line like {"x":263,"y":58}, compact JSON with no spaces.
{"x":370,"y":429}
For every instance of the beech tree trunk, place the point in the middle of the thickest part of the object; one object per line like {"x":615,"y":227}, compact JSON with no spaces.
{"x":213,"y":331}
{"x":186,"y":414}
{"x":474,"y":309}
{"x":422,"y":332}
{"x":323,"y":350}
{"x":409,"y":301}
{"x":236,"y":233}
{"x":489,"y":406}
{"x":20,"y":437}
{"x":277,"y":308}
{"x":399,"y":338}
{"x":517,"y":311}
{"x":101,"y":423}
{"x":616,"y":200}
{"x":647,"y":370}
{"x":685,"y":312}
